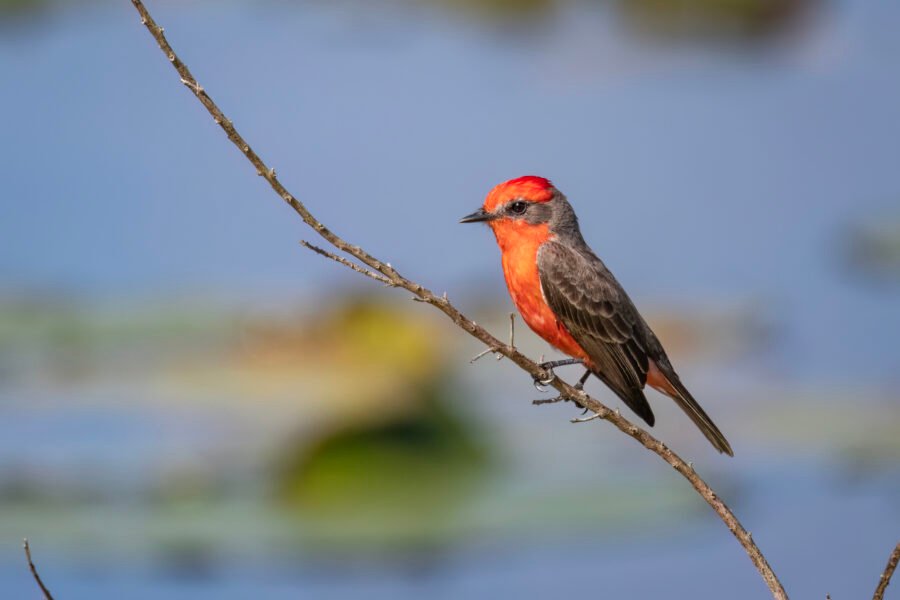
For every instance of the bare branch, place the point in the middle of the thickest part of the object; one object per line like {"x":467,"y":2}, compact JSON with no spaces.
{"x":887,"y":574}
{"x":512,"y":341}
{"x":584,"y":419}
{"x":475,"y":358}
{"x":425,"y":295}
{"x":34,"y":573}
{"x":553,"y":400}
{"x":347,"y":263}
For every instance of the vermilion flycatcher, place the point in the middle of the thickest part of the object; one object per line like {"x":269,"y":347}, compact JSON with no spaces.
{"x":568,"y":297}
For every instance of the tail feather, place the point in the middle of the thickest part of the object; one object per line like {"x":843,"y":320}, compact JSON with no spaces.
{"x":702,"y":420}
{"x":670,"y":385}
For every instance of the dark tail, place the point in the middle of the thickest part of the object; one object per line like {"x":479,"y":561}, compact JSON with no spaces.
{"x":702,"y":420}
{"x":673,"y":388}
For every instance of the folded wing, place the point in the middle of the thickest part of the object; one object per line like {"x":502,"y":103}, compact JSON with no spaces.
{"x":592,"y":306}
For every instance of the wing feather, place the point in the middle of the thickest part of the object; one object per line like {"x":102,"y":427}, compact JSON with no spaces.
{"x":598,"y":314}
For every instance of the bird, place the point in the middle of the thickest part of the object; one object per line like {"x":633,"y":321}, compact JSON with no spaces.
{"x":568,"y":296}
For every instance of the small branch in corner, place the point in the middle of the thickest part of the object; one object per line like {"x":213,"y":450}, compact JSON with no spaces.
{"x":34,"y":572}
{"x":888,"y":573}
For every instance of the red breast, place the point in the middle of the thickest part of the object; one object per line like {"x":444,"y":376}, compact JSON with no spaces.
{"x":519,"y":243}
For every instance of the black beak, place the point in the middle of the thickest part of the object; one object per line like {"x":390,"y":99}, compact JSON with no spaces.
{"x":478,"y":216}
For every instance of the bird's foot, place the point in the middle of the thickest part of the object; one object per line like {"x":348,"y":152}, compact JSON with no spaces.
{"x":578,"y":405}
{"x":541,"y":384}
{"x":548,"y":366}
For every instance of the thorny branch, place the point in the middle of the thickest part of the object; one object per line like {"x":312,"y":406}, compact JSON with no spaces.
{"x":395,"y":279}
{"x":893,"y":559}
{"x":34,"y":573}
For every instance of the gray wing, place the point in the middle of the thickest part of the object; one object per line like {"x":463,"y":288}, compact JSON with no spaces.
{"x":597,"y":312}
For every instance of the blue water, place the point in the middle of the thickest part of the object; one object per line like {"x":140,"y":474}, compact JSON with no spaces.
{"x":838,"y":542}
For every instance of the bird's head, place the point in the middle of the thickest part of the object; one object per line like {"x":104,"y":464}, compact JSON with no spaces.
{"x":527,"y":206}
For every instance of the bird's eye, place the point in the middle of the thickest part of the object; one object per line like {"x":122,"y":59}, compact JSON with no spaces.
{"x":518,"y":207}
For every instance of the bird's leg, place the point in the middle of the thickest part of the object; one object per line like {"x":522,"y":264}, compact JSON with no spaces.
{"x":549,"y":366}
{"x":583,"y":380}
{"x":580,"y":386}
{"x":552,"y":364}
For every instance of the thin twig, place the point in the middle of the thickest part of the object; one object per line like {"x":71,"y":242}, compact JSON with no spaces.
{"x":512,"y":341}
{"x":885,"y":580}
{"x":34,"y":573}
{"x":475,"y":358}
{"x":443,"y":304}
{"x":512,"y":332}
{"x":584,"y":419}
{"x":346,"y":263}
{"x":554,"y":400}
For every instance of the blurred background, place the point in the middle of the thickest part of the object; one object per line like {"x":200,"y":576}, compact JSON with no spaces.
{"x":193,"y":406}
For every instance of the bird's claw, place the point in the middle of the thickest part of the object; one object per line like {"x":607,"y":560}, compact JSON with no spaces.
{"x":541,"y":384}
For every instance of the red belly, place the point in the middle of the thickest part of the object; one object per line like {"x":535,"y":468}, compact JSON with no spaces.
{"x":524,"y":283}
